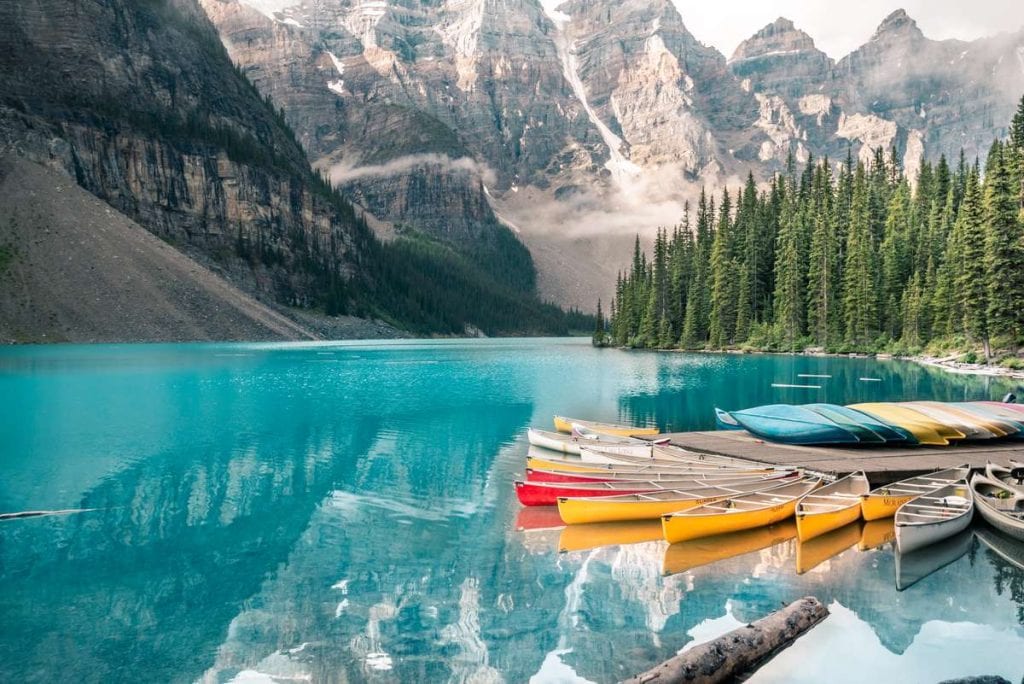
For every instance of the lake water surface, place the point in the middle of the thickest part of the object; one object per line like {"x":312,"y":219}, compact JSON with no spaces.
{"x":344,"y":512}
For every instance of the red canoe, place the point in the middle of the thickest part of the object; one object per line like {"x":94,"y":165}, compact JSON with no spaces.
{"x":548,"y":493}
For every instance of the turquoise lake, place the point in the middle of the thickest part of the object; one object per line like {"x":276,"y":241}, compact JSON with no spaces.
{"x":344,"y":512}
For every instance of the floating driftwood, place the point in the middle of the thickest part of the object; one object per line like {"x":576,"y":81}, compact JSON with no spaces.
{"x":741,"y":650}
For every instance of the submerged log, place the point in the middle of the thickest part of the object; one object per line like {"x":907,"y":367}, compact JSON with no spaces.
{"x":741,"y":650}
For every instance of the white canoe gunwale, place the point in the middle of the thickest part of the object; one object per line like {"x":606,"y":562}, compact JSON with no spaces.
{"x":934,"y":516}
{"x":1003,"y":475}
{"x":832,"y":497}
{"x":1009,"y":520}
{"x":710,"y":490}
{"x":753,"y":501}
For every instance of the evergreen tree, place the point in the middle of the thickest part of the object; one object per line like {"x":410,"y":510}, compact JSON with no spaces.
{"x":722,"y":324}
{"x":789,"y":295}
{"x":823,"y":257}
{"x":600,"y":337}
{"x":859,"y":274}
{"x":1004,"y":251}
{"x":896,"y":261}
{"x":971,"y":277}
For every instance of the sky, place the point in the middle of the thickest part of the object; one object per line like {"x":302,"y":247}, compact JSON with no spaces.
{"x":836,"y":27}
{"x":840,"y":27}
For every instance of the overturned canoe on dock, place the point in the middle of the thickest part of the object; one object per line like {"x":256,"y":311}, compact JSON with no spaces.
{"x":925,"y":430}
{"x":792,"y":425}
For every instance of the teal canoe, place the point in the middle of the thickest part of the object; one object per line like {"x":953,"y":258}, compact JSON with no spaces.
{"x":792,"y":425}
{"x":890,"y":433}
{"x":864,"y":434}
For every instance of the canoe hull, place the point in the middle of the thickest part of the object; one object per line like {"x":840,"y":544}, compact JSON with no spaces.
{"x":913,"y":537}
{"x":683,"y":528}
{"x":879,"y":506}
{"x":792,"y":425}
{"x":539,"y":439}
{"x":1008,"y":526}
{"x":578,"y":511}
{"x":532,"y":494}
{"x":811,"y":525}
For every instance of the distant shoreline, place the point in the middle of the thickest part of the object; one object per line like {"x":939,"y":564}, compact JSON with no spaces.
{"x":947,"y":364}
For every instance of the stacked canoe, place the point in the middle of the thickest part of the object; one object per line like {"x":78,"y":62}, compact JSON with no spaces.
{"x":931,"y":423}
{"x":601,"y":473}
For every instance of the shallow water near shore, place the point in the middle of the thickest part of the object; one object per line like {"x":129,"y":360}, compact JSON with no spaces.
{"x":344,"y":512}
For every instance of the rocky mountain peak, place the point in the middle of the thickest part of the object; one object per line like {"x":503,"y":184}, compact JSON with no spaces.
{"x":781,"y":37}
{"x":898,"y":24}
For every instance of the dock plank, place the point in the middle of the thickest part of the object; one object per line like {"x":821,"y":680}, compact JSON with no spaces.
{"x":881,"y":464}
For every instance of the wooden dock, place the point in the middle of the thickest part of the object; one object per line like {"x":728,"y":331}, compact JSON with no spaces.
{"x":881,"y":464}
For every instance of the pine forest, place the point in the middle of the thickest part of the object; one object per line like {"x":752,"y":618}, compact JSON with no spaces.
{"x":840,"y":257}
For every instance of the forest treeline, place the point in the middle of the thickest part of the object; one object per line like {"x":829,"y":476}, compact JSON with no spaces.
{"x":841,"y":257}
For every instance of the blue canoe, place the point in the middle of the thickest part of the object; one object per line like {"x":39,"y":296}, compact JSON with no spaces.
{"x":792,"y":425}
{"x":725,"y":421}
{"x":890,"y":433}
{"x":864,"y":434}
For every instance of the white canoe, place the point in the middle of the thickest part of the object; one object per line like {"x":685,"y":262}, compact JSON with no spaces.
{"x":570,"y":444}
{"x":932,"y":517}
{"x":1012,"y":477}
{"x":628,"y":455}
{"x":1001,"y":506}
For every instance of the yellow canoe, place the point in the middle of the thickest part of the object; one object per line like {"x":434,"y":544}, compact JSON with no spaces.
{"x":882,"y":502}
{"x":741,"y":512}
{"x":697,"y":552}
{"x":926,"y":430}
{"x":877,"y":533}
{"x":563,"y":424}
{"x":831,"y":507}
{"x":653,"y":505}
{"x":596,"y":535}
{"x":972,"y":426}
{"x":810,"y":554}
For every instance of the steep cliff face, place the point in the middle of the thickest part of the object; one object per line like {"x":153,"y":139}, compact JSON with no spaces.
{"x":782,"y":59}
{"x":140,"y":105}
{"x":394,"y":102}
{"x":949,"y":94}
{"x":568,"y":117}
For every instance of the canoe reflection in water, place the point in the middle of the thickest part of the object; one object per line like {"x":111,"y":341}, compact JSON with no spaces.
{"x":877,"y":533}
{"x":697,"y":552}
{"x":813,"y":552}
{"x":914,"y":566}
{"x":597,"y":535}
